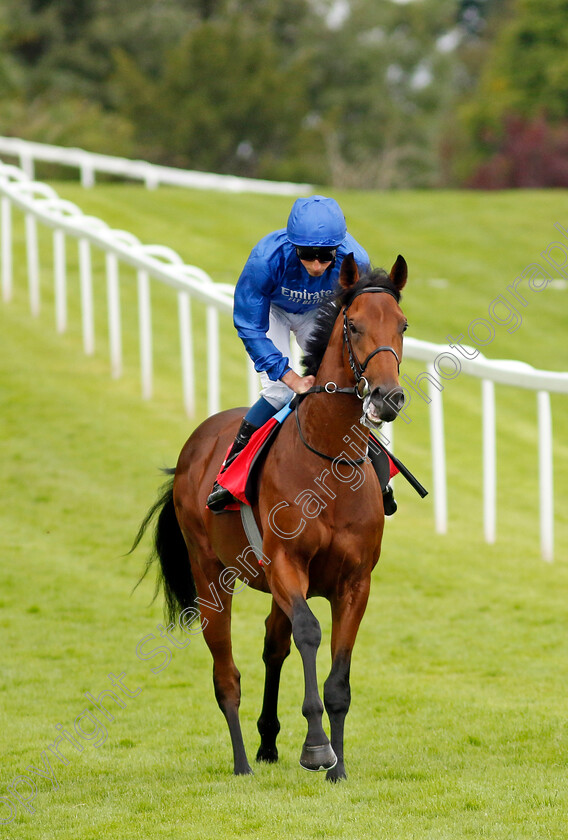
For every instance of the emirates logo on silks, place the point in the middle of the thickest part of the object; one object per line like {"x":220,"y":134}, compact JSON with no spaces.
{"x":303,"y":296}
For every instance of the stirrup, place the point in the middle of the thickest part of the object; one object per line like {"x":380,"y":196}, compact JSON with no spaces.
{"x":389,"y":504}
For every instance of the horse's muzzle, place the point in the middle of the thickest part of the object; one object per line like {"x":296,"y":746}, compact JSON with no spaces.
{"x":386,"y":402}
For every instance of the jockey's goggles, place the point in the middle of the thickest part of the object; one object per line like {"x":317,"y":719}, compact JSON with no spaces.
{"x":309,"y":254}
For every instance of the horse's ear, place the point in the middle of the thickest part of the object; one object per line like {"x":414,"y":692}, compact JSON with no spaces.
{"x":399,"y":273}
{"x":349,"y":273}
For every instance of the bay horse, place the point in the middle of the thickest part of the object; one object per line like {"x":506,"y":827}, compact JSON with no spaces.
{"x":319,"y":510}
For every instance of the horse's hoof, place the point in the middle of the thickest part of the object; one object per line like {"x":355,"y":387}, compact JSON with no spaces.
{"x":268,"y":754}
{"x":336,"y":774}
{"x":318,"y":758}
{"x":245,"y":770}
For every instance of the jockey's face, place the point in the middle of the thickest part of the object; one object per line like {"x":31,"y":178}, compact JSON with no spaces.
{"x":315,"y":268}
{"x":316,"y":259}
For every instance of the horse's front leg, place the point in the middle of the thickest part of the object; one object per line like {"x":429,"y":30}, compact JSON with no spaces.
{"x":347,"y":613}
{"x":289,"y":586}
{"x":276,"y":649}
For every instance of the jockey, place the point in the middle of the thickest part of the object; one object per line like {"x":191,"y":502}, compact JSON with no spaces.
{"x":287,"y":275}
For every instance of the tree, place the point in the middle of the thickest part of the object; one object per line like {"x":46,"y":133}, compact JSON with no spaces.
{"x":354,"y":93}
{"x":530,"y":154}
{"x":226,"y":99}
{"x":522,"y":86}
{"x":44,"y":91}
{"x":379,"y":89}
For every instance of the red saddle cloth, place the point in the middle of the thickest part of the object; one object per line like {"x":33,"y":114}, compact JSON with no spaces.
{"x":238,"y":477}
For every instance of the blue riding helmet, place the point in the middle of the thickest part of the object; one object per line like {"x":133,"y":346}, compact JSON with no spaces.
{"x":316,"y":220}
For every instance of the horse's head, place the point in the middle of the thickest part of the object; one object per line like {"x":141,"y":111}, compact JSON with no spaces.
{"x":373,"y":326}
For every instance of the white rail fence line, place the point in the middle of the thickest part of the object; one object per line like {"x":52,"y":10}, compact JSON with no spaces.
{"x":40,"y":203}
{"x":89,"y":163}
{"x":491,"y":372}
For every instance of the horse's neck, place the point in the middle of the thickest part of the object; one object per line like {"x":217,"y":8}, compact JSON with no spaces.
{"x":327,"y":419}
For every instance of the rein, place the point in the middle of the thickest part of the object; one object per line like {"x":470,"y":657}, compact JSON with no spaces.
{"x":357,"y":369}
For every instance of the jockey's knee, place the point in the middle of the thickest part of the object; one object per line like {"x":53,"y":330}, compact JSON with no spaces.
{"x":276,"y":393}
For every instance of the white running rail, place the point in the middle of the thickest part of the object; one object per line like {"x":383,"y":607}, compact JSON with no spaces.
{"x":89,"y":163}
{"x":491,"y":372}
{"x":40,"y":203}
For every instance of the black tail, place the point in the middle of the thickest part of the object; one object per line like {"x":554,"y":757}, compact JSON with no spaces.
{"x":175,"y":575}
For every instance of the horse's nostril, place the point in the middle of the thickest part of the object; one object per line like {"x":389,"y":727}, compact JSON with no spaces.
{"x":387,"y":401}
{"x":399,"y":399}
{"x":395,"y":398}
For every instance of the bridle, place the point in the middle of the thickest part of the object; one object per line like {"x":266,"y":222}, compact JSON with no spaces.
{"x":355,"y":365}
{"x":357,"y":369}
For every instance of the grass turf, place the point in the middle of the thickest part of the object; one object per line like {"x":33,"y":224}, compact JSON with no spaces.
{"x":457,"y":726}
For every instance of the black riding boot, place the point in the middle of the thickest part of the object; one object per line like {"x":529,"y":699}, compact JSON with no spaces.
{"x":381,"y":465}
{"x":219,"y":498}
{"x":389,"y":503}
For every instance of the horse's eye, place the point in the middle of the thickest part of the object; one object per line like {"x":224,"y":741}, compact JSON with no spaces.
{"x":353,"y":328}
{"x":405,"y":327}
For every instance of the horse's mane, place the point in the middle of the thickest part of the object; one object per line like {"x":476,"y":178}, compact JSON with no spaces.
{"x":327,"y":315}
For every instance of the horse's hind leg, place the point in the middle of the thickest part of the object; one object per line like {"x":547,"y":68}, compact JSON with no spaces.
{"x":276,"y":649}
{"x":215,"y":608}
